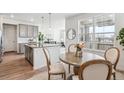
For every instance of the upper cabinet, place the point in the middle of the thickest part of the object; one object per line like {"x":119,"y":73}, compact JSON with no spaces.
{"x":23,"y":31}
{"x":28,"y":31}
{"x":35,"y":31}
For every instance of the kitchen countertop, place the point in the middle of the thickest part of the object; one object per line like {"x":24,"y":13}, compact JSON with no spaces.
{"x":43,"y":45}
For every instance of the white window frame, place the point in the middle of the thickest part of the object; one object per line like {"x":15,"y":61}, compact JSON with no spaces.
{"x":93,"y":18}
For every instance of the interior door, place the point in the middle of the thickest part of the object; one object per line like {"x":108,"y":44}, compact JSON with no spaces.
{"x":10,"y":37}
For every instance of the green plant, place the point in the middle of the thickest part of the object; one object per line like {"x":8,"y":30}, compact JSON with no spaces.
{"x":40,"y":36}
{"x":120,"y":37}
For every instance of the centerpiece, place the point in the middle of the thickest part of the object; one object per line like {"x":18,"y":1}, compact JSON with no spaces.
{"x":79,"y":47}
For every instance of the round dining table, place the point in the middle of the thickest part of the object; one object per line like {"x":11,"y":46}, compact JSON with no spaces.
{"x":71,"y":59}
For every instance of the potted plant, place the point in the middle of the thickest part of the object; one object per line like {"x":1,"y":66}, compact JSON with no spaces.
{"x":120,"y":37}
{"x":40,"y":37}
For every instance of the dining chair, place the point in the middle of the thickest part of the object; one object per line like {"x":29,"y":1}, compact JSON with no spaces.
{"x":94,"y":70}
{"x":53,"y":69}
{"x":113,"y":54}
{"x":71,"y":48}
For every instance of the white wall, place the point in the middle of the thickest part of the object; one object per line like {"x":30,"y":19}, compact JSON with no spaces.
{"x":56,"y":26}
{"x":72,"y":22}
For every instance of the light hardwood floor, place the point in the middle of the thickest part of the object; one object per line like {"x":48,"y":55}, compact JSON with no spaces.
{"x":15,"y":67}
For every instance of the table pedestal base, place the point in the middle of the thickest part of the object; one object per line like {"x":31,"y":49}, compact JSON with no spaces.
{"x":76,"y":70}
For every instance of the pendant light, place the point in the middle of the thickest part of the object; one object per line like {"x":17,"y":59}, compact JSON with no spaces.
{"x":50,"y":28}
{"x":42,"y":22}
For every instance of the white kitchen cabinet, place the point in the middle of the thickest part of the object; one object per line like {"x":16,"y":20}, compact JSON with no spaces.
{"x":28,"y":31}
{"x":35,"y":55}
{"x":21,"y":47}
{"x":35,"y":31}
{"x":23,"y":31}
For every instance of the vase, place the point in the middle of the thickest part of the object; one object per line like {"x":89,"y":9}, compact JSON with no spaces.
{"x":78,"y":53}
{"x":40,"y":43}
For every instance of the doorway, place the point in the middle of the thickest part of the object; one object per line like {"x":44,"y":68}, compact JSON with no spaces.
{"x":10,"y":37}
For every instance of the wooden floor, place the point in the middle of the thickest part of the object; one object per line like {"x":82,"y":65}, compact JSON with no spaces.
{"x":15,"y":67}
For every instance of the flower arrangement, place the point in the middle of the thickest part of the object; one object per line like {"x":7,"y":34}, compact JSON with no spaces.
{"x":79,"y":47}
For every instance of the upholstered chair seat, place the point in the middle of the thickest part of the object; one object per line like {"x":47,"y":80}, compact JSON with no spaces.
{"x":57,"y":68}
{"x":53,"y":69}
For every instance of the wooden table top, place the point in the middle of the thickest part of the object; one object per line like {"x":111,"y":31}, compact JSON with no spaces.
{"x":70,"y":58}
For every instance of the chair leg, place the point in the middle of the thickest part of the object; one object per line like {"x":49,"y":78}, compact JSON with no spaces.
{"x":114,"y":76}
{"x":64,"y":76}
{"x":48,"y":76}
{"x":69,"y":68}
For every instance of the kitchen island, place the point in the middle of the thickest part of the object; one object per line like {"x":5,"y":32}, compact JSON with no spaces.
{"x":35,"y":55}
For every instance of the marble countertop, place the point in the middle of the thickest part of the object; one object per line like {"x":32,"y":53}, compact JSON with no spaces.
{"x":42,"y":45}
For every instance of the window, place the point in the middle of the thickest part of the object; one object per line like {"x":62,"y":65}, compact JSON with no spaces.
{"x":97,"y":32}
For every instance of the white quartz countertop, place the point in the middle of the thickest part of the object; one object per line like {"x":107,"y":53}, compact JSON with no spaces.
{"x":42,"y":45}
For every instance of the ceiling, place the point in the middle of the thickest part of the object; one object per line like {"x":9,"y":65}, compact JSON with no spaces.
{"x":36,"y":17}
